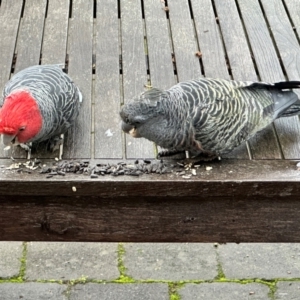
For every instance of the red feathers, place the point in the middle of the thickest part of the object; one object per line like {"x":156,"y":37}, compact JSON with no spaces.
{"x":20,"y":116}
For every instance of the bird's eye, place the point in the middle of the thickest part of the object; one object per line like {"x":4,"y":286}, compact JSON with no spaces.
{"x":22,"y":128}
{"x":127,"y":120}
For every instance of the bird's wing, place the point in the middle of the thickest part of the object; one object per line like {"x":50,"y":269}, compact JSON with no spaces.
{"x":228,"y":114}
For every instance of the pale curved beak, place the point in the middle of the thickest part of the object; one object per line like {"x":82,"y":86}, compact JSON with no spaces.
{"x":8,"y":139}
{"x":126,"y":127}
{"x":130,"y":130}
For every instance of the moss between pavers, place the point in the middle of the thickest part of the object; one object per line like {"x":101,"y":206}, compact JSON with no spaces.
{"x":173,"y":286}
{"x":21,"y":275}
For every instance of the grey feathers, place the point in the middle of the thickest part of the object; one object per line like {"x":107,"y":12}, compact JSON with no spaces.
{"x":208,"y":115}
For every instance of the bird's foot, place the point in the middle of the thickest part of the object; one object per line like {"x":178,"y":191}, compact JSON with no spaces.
{"x":168,"y":153}
{"x":57,"y":143}
{"x":27,"y":147}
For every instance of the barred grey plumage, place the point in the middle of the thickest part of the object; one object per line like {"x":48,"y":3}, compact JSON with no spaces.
{"x":56,"y":95}
{"x":208,"y":115}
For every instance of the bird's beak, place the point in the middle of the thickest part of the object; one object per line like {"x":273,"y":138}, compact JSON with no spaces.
{"x":8,"y":139}
{"x":130,"y":130}
{"x":126,"y":127}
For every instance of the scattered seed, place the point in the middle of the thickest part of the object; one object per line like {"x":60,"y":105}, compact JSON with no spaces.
{"x":74,"y":188}
{"x":208,"y":168}
{"x":198,"y":54}
{"x":94,"y":176}
{"x":49,"y":176}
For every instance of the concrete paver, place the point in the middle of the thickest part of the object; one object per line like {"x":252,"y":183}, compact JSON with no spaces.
{"x":224,"y":291}
{"x":117,"y":291}
{"x":10,"y":255}
{"x":164,"y":261}
{"x":32,"y":291}
{"x":288,"y":290}
{"x":257,"y":260}
{"x":72,"y":260}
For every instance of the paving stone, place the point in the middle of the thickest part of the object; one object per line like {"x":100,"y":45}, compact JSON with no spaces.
{"x":224,"y":291}
{"x":288,"y":290}
{"x":120,"y":291}
{"x":164,"y":261}
{"x":266,"y":261}
{"x":71,"y":261}
{"x":32,"y":291}
{"x":10,"y":255}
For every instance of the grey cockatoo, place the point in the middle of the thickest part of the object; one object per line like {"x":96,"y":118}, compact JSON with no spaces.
{"x":39,"y":103}
{"x":210,"y":116}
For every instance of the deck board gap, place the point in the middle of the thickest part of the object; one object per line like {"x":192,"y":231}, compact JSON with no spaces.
{"x":95,"y":9}
{"x":191,"y":9}
{"x":119,"y":9}
{"x":222,"y":40}
{"x":291,"y":21}
{"x":46,"y":10}
{"x":70,"y":9}
{"x":94,"y":64}
{"x":201,"y":65}
{"x":166,"y":8}
{"x":143,"y":9}
{"x":172,"y":44}
{"x":278,"y":141}
{"x":93,"y":118}
{"x":248,"y":41}
{"x":23,"y":8}
{"x":120,"y":44}
{"x":13,"y":64}
{"x":273,"y":40}
{"x":66,"y":68}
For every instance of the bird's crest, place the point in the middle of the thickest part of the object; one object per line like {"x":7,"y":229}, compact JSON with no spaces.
{"x":151,"y":97}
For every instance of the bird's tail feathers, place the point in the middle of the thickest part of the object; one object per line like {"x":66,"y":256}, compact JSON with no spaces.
{"x":281,"y":85}
{"x":293,"y":110}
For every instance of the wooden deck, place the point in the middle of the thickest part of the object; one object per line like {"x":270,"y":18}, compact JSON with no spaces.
{"x":112,"y":49}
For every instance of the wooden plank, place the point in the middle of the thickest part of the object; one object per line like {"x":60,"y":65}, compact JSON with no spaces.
{"x":55,"y":33}
{"x":9,"y":19}
{"x":289,"y":51}
{"x":29,"y":45}
{"x":257,"y":202}
{"x":31,"y":34}
{"x":108,"y":136}
{"x":78,"y":142}
{"x":134,"y":68}
{"x":210,"y":41}
{"x":243,"y":69}
{"x":293,"y":7}
{"x":159,"y":45}
{"x":149,"y":219}
{"x":184,"y":40}
{"x":228,"y":174}
{"x":53,"y":52}
{"x":268,"y":67}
